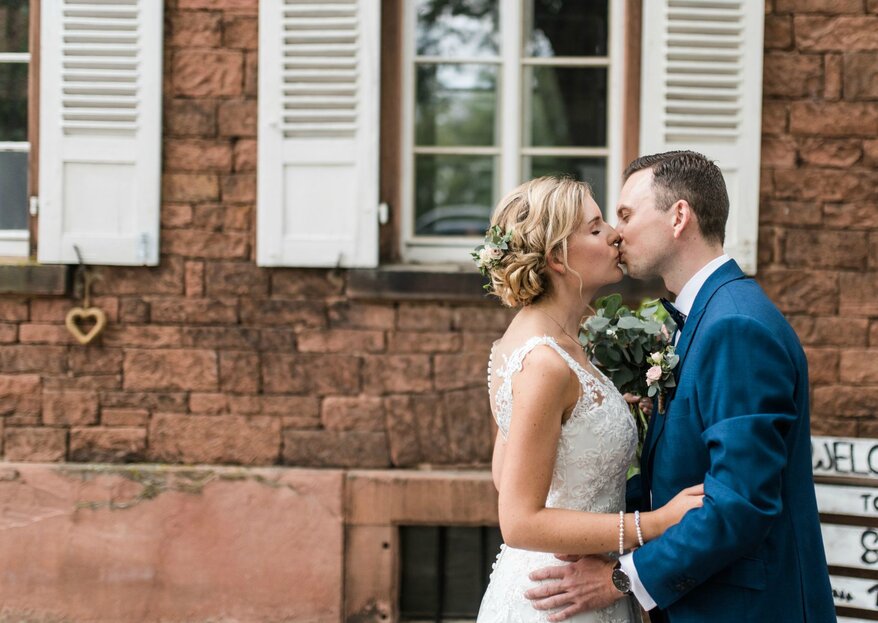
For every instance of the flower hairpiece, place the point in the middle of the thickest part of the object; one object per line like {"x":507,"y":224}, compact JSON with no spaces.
{"x":489,"y":254}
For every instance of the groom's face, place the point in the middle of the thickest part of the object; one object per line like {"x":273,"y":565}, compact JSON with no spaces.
{"x":646,"y":233}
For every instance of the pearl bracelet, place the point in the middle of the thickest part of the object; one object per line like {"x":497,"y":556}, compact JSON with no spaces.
{"x":621,"y":532}
{"x":637,"y":526}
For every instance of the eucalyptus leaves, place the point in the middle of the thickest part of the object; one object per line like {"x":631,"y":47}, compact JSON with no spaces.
{"x":633,"y":348}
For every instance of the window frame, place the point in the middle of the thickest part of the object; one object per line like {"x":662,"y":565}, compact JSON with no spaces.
{"x":17,"y":243}
{"x":509,"y":151}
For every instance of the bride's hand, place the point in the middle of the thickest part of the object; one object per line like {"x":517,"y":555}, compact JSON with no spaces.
{"x":671,"y":513}
{"x":645,"y":404}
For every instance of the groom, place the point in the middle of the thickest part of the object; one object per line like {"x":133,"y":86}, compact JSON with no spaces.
{"x":738,"y":422}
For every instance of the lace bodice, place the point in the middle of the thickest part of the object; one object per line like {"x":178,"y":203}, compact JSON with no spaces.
{"x":597,"y":442}
{"x":595,"y":448}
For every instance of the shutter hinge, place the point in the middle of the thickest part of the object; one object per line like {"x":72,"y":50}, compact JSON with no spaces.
{"x":34,"y":205}
{"x":383,"y":213}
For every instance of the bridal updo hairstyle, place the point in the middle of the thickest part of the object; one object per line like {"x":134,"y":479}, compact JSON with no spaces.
{"x":541,"y":213}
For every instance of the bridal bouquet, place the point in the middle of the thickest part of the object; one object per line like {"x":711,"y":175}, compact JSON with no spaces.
{"x":633,"y":348}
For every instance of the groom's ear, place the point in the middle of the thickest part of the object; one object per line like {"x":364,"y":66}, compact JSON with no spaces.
{"x":683,"y":217}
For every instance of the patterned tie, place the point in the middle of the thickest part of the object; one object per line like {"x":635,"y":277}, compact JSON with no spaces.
{"x":675,"y":314}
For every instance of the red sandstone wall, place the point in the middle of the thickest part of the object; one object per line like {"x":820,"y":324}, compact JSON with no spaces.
{"x":818,"y":236}
{"x":209,"y":359}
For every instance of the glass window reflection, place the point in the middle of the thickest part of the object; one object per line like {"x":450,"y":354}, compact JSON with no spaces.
{"x":453,"y":194}
{"x":564,"y":28}
{"x":568,"y":107}
{"x":455,"y":28}
{"x":455,"y":104}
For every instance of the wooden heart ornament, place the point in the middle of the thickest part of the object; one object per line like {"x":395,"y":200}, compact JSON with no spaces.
{"x":77,"y":318}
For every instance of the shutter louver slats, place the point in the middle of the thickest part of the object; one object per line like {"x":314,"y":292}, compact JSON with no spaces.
{"x":320,"y":48}
{"x":318,"y":133}
{"x":100,"y":127}
{"x":702,"y":90}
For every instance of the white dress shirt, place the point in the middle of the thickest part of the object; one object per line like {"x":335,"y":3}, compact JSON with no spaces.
{"x":684,"y":302}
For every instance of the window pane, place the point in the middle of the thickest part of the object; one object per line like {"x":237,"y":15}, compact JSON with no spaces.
{"x":13,"y":101}
{"x":591,"y":170}
{"x":13,"y":190}
{"x":567,"y":28}
{"x":455,"y":104}
{"x":13,"y":25}
{"x":455,"y":28}
{"x":568,"y":107}
{"x":419,"y":553}
{"x":453,"y":194}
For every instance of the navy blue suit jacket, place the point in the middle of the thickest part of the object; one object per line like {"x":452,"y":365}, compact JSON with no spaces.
{"x":738,"y":422}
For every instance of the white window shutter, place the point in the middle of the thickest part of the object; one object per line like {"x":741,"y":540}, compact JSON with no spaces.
{"x":317,"y":199}
{"x":701,"y":89}
{"x":100,"y":131}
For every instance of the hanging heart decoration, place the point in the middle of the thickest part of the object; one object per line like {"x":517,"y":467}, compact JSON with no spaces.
{"x":78,"y":318}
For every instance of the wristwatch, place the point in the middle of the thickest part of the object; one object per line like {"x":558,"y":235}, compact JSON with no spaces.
{"x":621,"y":580}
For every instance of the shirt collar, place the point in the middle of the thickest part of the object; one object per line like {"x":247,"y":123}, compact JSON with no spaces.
{"x":686,"y":298}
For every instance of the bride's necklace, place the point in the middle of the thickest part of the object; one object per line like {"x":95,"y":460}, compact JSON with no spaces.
{"x":560,"y":326}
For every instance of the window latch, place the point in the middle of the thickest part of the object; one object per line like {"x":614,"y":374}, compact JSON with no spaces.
{"x":33,"y":205}
{"x":383,"y":213}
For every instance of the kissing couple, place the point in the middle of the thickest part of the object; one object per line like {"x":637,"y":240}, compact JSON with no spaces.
{"x":725,"y":527}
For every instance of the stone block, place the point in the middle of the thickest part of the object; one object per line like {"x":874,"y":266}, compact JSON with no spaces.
{"x":460,"y":370}
{"x":830,"y":330}
{"x":215,"y":439}
{"x":341,"y":341}
{"x":107,"y":445}
{"x":306,"y":283}
{"x":834,"y":118}
{"x":185,"y":117}
{"x":240,"y":31}
{"x":70,"y":408}
{"x":861,"y":76}
{"x":202,"y":73}
{"x":335,"y":449}
{"x":189,"y":29}
{"x":197,"y":155}
{"x":171,"y":369}
{"x":390,"y":374}
{"x":292,"y":314}
{"x":190,"y":187}
{"x":825,"y":248}
{"x":360,"y":413}
{"x":239,"y":371}
{"x":802,"y":291}
{"x":319,"y":375}
{"x":858,"y":366}
{"x":836,"y":33}
{"x":237,"y":118}
{"x":792,"y":74}
{"x":126,"y":418}
{"x":37,"y":445}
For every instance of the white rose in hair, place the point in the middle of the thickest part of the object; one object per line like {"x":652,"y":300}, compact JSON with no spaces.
{"x":495,"y":253}
{"x":485,"y":256}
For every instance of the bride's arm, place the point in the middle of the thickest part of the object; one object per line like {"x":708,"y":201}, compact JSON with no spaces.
{"x":543,"y":390}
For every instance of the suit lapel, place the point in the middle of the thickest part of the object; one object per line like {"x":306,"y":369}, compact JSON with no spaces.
{"x":730,"y":271}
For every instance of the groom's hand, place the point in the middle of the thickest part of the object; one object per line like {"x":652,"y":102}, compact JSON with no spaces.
{"x":580,"y":586}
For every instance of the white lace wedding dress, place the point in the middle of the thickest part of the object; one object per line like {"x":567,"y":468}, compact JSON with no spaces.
{"x":596,"y":447}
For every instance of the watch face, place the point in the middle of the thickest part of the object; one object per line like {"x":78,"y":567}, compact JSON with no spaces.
{"x":621,"y":581}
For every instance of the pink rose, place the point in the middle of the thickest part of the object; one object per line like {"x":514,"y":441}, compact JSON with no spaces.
{"x":653,"y":374}
{"x":495,"y":253}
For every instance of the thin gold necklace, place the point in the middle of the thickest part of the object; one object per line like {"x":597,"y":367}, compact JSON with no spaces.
{"x":560,"y":326}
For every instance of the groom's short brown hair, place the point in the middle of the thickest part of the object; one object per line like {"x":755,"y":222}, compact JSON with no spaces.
{"x":693,"y":177}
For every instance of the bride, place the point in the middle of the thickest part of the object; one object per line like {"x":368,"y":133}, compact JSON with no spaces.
{"x":566,"y":436}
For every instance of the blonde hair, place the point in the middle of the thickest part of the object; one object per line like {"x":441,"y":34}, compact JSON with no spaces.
{"x":542,"y":214}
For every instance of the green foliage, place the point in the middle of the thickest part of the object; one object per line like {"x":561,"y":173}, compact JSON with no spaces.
{"x":620,"y":340}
